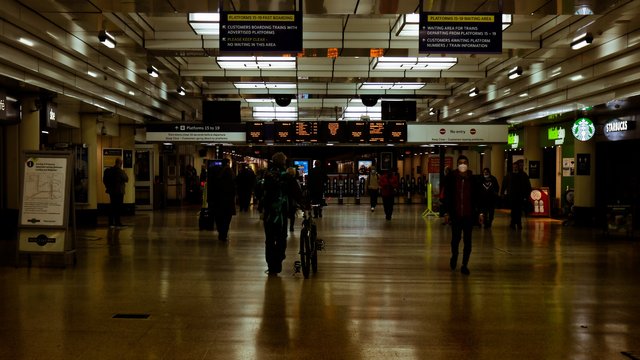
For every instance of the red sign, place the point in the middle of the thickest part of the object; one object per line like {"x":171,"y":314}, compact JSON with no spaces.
{"x":539,"y":198}
{"x":433,"y":165}
{"x":443,"y":131}
{"x":472,"y":131}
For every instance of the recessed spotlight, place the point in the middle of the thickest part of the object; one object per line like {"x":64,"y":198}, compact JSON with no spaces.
{"x":153,"y":71}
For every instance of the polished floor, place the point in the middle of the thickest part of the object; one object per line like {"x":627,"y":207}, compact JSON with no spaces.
{"x":384,"y":290}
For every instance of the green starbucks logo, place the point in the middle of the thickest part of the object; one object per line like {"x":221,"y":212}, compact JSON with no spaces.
{"x":583,"y":129}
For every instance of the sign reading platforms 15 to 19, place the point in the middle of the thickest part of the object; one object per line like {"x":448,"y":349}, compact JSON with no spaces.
{"x":261,"y":31}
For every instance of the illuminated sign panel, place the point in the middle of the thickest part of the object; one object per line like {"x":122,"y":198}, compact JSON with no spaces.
{"x":358,"y":131}
{"x":307,"y":131}
{"x":284,"y":132}
{"x":377,"y":132}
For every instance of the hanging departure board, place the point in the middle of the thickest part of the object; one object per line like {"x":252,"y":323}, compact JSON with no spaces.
{"x":284,"y":132}
{"x":358,"y":131}
{"x":333,"y":131}
{"x":377,"y":132}
{"x":255,"y":132}
{"x":396,"y":131}
{"x":307,"y":131}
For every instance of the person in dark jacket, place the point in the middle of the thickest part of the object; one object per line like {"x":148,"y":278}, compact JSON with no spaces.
{"x":388,"y":185}
{"x":114,"y":181}
{"x":516,"y":188}
{"x":315,"y":185}
{"x":221,"y":196}
{"x":279,"y":190}
{"x":246,"y":181}
{"x":488,"y":196}
{"x":461,"y":194}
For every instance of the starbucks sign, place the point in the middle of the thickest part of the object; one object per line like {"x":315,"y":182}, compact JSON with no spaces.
{"x":583,"y":129}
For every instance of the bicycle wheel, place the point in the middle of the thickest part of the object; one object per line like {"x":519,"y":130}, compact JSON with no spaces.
{"x":305,"y":252}
{"x":314,"y":249}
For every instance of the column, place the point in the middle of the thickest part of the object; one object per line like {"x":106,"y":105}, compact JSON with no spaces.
{"x":532,"y":151}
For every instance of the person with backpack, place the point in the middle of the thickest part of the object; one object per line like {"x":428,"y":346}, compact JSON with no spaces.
{"x":373,"y":188}
{"x":280,"y":189}
{"x":114,"y":181}
{"x":221,"y":197}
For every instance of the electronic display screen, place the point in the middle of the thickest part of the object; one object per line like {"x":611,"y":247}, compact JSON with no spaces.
{"x":284,"y":132}
{"x":302,"y":166}
{"x":377,"y":131}
{"x":364,"y":166}
{"x":255,"y":132}
{"x":358,"y":131}
{"x":396,"y":131}
{"x":333,"y":131}
{"x":307,"y":131}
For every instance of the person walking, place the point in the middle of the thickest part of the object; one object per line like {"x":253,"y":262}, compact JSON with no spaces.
{"x":114,"y":181}
{"x":221,"y":196}
{"x":516,"y":189}
{"x":373,"y":187}
{"x":488,"y":196}
{"x":246,"y":181}
{"x":315,"y":185}
{"x":280,"y":189}
{"x":388,"y":185}
{"x":461,"y":207}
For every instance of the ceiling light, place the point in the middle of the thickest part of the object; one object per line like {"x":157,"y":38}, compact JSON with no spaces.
{"x":252,"y":62}
{"x":474,"y":92}
{"x":432,"y":111}
{"x":576,"y":77}
{"x":205,"y":23}
{"x":153,"y":71}
{"x":507,"y":20}
{"x":581,"y":41}
{"x":181,"y":91}
{"x":26,"y":41}
{"x":516,"y":72}
{"x":107,"y":39}
{"x":262,"y":85}
{"x":92,"y":74}
{"x":523,"y":95}
{"x":391,"y":86}
{"x":414,"y":63}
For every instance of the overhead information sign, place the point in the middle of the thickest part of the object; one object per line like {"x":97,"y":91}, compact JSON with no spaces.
{"x":468,"y":133}
{"x":212,"y":133}
{"x":261,"y":31}
{"x":464,"y":33}
{"x":307,"y":131}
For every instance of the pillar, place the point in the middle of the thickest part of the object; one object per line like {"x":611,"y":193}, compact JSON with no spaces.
{"x":532,"y":151}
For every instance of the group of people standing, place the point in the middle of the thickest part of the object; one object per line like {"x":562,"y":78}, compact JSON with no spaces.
{"x":468,"y":201}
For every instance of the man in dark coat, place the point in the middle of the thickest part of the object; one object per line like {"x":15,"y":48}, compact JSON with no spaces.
{"x":114,"y":181}
{"x":488,"y":196}
{"x":461,"y":194}
{"x":516,"y":188}
{"x":246,"y":181}
{"x":315,"y":185}
{"x":221,"y":196}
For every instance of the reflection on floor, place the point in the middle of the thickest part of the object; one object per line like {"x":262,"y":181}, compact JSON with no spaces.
{"x":384,"y":290}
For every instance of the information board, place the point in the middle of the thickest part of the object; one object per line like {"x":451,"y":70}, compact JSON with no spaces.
{"x":261,"y":31}
{"x":284,"y":132}
{"x":333,"y":131}
{"x":255,"y":132}
{"x":467,"y":33}
{"x":196,"y":132}
{"x":307,"y":132}
{"x":396,"y":132}
{"x":377,"y":133}
{"x":358,"y":131}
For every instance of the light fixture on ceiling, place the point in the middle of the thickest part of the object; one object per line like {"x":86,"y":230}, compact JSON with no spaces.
{"x":516,"y":72}
{"x":205,"y":23}
{"x":391,"y":86}
{"x":581,"y":41}
{"x":414,"y":63}
{"x":181,"y":91}
{"x":474,"y":92}
{"x":107,"y":39}
{"x":432,"y":111}
{"x":153,"y":71}
{"x":256,"y":62}
{"x":263,"y":85}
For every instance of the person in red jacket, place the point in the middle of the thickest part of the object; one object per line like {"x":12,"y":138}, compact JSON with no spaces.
{"x":388,"y":185}
{"x":461,"y":196}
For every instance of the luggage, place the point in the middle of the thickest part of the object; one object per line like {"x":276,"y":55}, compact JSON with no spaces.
{"x":205,"y":219}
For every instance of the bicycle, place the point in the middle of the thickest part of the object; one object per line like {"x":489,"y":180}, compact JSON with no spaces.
{"x":309,"y":244}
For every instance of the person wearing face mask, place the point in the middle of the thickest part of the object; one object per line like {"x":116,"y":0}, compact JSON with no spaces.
{"x":489,"y":191}
{"x":461,"y":198}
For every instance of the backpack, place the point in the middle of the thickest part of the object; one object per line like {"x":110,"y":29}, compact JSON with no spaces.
{"x":373,"y":181}
{"x":275,"y":195}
